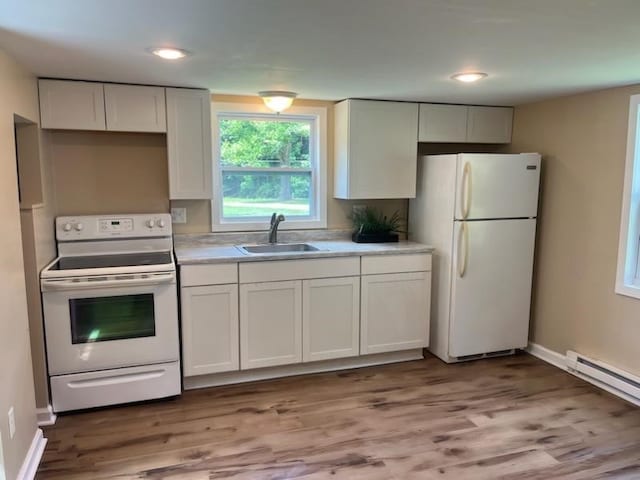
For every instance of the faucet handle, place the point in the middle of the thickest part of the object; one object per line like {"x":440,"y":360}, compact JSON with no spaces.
{"x":273,"y":218}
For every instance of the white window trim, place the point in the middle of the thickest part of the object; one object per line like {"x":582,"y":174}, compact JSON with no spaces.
{"x":628,"y":274}
{"x":319,"y":115}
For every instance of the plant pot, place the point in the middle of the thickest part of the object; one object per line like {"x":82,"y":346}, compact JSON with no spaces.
{"x":383,"y":237}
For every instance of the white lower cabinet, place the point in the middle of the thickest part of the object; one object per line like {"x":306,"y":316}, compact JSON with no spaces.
{"x":330,"y":318}
{"x":395,"y":312}
{"x":270,"y":324}
{"x":210,"y":335}
{"x":274,"y":313}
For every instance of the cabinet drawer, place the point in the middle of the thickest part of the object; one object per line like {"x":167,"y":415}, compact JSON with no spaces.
{"x":373,"y":265}
{"x":273,"y":271}
{"x":193,"y":275}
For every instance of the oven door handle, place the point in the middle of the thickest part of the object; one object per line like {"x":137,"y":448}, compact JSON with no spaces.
{"x":153,"y":279}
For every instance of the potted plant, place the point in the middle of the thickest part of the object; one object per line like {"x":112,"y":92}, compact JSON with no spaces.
{"x":371,"y":226}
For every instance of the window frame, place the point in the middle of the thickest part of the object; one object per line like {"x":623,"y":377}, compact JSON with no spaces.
{"x":318,"y":157}
{"x":628,"y":271}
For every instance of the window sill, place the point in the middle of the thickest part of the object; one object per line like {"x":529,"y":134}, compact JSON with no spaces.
{"x":627,"y":290}
{"x":264,"y":226}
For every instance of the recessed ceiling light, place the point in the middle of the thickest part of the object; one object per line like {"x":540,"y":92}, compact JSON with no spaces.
{"x":169,"y":53}
{"x":469,"y":77}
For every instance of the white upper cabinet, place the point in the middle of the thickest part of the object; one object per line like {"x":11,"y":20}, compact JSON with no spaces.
{"x":375,"y":149}
{"x":71,"y":105}
{"x":189,"y":143}
{"x":443,"y":123}
{"x":135,"y":108}
{"x":489,"y":124}
{"x":464,"y":124}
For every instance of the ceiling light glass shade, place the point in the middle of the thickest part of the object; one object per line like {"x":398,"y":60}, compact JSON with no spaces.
{"x":277,"y":101}
{"x":169,"y":53}
{"x":469,"y":77}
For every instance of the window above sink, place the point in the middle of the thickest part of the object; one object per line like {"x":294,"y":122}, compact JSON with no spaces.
{"x":265,"y":163}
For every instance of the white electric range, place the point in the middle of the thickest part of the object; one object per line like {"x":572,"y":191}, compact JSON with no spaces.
{"x":111,"y":311}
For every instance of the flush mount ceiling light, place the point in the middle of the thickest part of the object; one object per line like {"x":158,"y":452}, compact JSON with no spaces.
{"x":469,"y":77}
{"x":276,"y":100}
{"x":169,"y":53}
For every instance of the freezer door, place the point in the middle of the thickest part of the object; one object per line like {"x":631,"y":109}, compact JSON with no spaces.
{"x":497,"y":186}
{"x":491,"y":286}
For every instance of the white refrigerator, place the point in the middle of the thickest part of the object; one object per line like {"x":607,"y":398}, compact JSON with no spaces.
{"x":479,"y":213}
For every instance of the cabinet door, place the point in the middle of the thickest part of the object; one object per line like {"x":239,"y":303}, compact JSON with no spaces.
{"x":395,"y":312}
{"x":489,"y":124}
{"x":71,"y":105}
{"x":210,"y":329}
{"x":442,"y":123}
{"x":189,"y":143}
{"x":135,"y":108}
{"x":270,"y":324}
{"x":330,"y":318}
{"x":381,"y":150}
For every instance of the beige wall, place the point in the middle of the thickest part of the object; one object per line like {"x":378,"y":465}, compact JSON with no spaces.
{"x":109,"y":172}
{"x":199,"y":211}
{"x":582,"y":139}
{"x":18,"y":95}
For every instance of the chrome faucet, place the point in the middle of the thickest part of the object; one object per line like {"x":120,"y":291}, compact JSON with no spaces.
{"x":273,"y":231}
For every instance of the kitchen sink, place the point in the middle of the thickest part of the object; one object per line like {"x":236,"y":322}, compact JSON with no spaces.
{"x":278,"y":248}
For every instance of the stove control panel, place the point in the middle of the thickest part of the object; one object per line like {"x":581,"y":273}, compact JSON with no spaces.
{"x":96,"y":227}
{"x":115,"y":225}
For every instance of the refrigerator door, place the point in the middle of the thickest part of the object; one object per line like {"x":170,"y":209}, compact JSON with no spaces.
{"x":491,"y":286}
{"x":497,"y":186}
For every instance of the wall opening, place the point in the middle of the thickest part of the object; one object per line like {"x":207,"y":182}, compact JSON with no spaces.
{"x":2,"y":474}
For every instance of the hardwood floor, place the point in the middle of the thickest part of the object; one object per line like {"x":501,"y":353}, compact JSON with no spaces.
{"x":503,"y":418}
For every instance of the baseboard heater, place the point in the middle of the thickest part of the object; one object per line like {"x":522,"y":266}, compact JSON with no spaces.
{"x":610,"y":378}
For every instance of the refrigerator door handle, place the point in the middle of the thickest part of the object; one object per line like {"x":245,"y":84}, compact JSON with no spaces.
{"x":465,"y":191}
{"x":463,"y":241}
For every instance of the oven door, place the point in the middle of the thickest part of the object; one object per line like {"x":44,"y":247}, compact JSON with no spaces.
{"x":110,"y":322}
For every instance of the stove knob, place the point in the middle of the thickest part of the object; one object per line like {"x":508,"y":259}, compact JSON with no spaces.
{"x":161,"y":223}
{"x":66,"y":227}
{"x":150,"y":223}
{"x":79,"y":227}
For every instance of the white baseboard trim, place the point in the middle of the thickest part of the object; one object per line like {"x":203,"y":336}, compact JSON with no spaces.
{"x":558,"y":360}
{"x":34,"y":455}
{"x":45,"y":416}
{"x":218,"y":379}
{"x":549,"y":356}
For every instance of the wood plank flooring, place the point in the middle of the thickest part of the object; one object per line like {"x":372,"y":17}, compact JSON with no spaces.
{"x":502,"y":418}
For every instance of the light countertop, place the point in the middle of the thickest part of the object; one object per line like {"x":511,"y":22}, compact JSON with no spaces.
{"x":192,"y":250}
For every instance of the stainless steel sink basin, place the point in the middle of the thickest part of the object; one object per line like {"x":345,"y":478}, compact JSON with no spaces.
{"x":278,"y":248}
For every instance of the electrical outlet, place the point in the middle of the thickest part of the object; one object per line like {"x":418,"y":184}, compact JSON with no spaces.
{"x":179,"y":215}
{"x":12,"y":423}
{"x":355,"y":209}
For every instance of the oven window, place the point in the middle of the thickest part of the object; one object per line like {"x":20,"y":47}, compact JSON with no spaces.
{"x":102,"y":319}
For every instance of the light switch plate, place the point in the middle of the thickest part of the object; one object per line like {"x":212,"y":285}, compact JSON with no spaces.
{"x":179,"y":215}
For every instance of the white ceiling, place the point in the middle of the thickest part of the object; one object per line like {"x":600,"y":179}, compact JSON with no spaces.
{"x":334,"y":49}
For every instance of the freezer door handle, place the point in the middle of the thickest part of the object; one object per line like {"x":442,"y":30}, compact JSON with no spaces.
{"x":465,"y":191}
{"x":463,"y":243}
